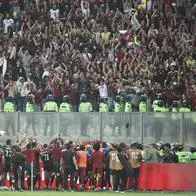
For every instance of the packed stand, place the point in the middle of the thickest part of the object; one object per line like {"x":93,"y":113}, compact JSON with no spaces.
{"x":95,"y":165}
{"x":101,"y":48}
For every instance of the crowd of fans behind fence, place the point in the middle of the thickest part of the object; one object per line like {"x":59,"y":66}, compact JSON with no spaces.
{"x":102,"y":48}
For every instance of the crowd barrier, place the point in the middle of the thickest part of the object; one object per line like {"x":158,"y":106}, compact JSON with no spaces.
{"x":172,"y":177}
{"x":153,"y":176}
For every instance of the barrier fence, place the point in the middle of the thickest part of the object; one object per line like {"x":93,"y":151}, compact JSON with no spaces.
{"x":110,"y":127}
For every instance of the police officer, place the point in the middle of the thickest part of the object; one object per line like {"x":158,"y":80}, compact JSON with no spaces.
{"x":189,"y":130}
{"x":128,"y":108}
{"x":155,"y":102}
{"x":9,"y":107}
{"x":175,"y":106}
{"x":183,"y":156}
{"x":128,"y":105}
{"x":117,"y":105}
{"x":175,"y":117}
{"x":50,"y":106}
{"x":85,"y":106}
{"x":117,"y":117}
{"x":193,"y":154}
{"x":103,"y":106}
{"x":30,"y":107}
{"x":143,"y":103}
{"x":160,"y":108}
{"x":185,"y":107}
{"x":65,"y":107}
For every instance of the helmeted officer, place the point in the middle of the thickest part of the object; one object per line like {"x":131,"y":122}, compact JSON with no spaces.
{"x":65,"y":105}
{"x":50,"y":106}
{"x":143,"y":103}
{"x":103,"y":106}
{"x":9,"y":106}
{"x":30,"y":107}
{"x":85,"y":106}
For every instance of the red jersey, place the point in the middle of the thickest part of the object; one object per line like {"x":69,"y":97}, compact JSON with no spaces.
{"x":30,"y":155}
{"x":98,"y":159}
{"x":56,"y":153}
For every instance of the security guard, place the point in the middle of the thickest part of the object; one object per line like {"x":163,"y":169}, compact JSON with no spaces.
{"x":128,"y":117}
{"x":50,"y":106}
{"x":175,"y":106}
{"x":65,"y":106}
{"x":128,"y":105}
{"x":116,"y":125}
{"x":160,"y":108}
{"x":185,"y":107}
{"x":10,"y":122}
{"x":193,"y":154}
{"x":143,"y":103}
{"x":175,"y":117}
{"x":183,"y":156}
{"x":9,"y":105}
{"x":30,"y":107}
{"x":85,"y":106}
{"x":103,"y":107}
{"x":117,"y":105}
{"x":155,"y":102}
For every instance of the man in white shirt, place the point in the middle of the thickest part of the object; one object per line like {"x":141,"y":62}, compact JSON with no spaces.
{"x":103,"y":91}
{"x":7,"y":22}
{"x":54,"y":13}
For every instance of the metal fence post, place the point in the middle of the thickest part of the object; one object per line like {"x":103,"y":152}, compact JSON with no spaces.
{"x":142,"y":127}
{"x":101,"y":127}
{"x":31,"y":175}
{"x":182,"y":129}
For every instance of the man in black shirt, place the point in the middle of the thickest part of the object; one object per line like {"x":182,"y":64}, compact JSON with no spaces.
{"x":68,"y":165}
{"x":18,"y":164}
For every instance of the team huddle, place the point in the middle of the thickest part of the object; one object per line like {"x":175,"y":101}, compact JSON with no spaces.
{"x":74,"y":166}
{"x":100,"y":165}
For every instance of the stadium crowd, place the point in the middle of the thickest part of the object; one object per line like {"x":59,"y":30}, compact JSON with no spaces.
{"x":101,"y":165}
{"x":101,"y":48}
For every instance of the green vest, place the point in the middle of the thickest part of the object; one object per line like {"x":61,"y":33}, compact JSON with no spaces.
{"x":184,"y":109}
{"x":193,"y":157}
{"x":128,"y":107}
{"x":161,"y":109}
{"x":174,"y":109}
{"x":155,"y":104}
{"x":85,"y":107}
{"x":29,"y":107}
{"x":184,"y":157}
{"x":117,"y":107}
{"x":50,"y":106}
{"x":161,"y":153}
{"x":9,"y":107}
{"x":103,"y":107}
{"x":65,"y":107}
{"x":143,"y":106}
